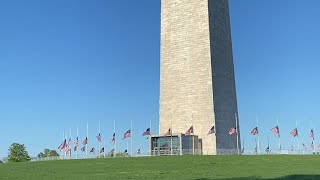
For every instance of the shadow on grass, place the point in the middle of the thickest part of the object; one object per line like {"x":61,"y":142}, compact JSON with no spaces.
{"x":304,"y":177}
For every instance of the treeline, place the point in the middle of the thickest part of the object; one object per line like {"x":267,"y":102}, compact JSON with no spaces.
{"x":18,"y":153}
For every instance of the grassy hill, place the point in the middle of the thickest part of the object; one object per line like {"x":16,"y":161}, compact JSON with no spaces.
{"x":169,"y":167}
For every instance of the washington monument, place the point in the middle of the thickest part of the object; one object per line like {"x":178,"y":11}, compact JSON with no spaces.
{"x":197,"y":83}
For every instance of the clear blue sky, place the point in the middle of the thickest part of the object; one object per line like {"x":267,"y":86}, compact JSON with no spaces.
{"x":64,"y":63}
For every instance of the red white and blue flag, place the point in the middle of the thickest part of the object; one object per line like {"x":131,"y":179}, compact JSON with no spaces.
{"x":85,"y":141}
{"x":69,"y":142}
{"x":62,"y":145}
{"x":83,"y":149}
{"x":275,"y":131}
{"x":232,"y":131}
{"x":312,"y":135}
{"x":111,"y":152}
{"x":254,"y":131}
{"x":92,"y":150}
{"x":304,"y":147}
{"x":147,"y":132}
{"x":189,"y":131}
{"x":102,"y":150}
{"x":211,"y":131}
{"x":99,"y":137}
{"x":294,"y":132}
{"x":312,"y":146}
{"x":127,"y":134}
{"x":76,"y":143}
{"x":113,"y":139}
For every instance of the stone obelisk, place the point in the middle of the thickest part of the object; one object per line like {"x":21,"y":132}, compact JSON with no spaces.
{"x":197,"y":82}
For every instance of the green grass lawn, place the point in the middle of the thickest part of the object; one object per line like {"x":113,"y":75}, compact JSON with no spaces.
{"x":169,"y":167}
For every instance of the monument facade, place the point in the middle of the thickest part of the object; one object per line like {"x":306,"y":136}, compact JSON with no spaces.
{"x":197,"y":82}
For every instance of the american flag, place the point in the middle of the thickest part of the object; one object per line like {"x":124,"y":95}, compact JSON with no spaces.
{"x":99,"y":137}
{"x":189,"y":131}
{"x":126,"y":151}
{"x":147,"y":132}
{"x":85,"y":141}
{"x":68,"y":151}
{"x":254,"y":131}
{"x":91,"y":150}
{"x":111,"y":152}
{"x":75,"y":148}
{"x":102,"y":150}
{"x":304,"y":147}
{"x":69,"y":142}
{"x":312,"y":146}
{"x":76,"y":143}
{"x":138,"y":151}
{"x":268,"y":149}
{"x":113,"y":139}
{"x":62,"y":145}
{"x":312,"y":135}
{"x":233,"y":130}
{"x":211,"y":131}
{"x":127,"y":134}
{"x":83,"y":149}
{"x":294,"y":132}
{"x":168,"y":132}
{"x":275,"y":131}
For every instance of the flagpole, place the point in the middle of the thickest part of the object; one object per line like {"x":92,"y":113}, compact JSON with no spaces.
{"x":192,"y":135}
{"x":131,"y":137}
{"x":297,"y":135}
{"x":237,"y":132}
{"x":100,"y":139}
{"x":242,"y":145}
{"x":115,"y":140}
{"x":64,"y":138}
{"x":259,"y":151}
{"x":87,"y":140}
{"x":171,"y":137}
{"x":70,"y":144}
{"x":78,"y":142}
{"x":150,"y":138}
{"x":279,"y":140}
{"x":67,"y":141}
{"x":268,"y":145}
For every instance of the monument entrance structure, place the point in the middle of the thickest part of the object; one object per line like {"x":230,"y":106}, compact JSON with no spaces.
{"x":197,"y":82}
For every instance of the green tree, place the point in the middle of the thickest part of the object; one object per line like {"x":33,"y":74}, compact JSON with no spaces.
{"x":0,"y":161}
{"x":18,"y":153}
{"x":48,"y":153}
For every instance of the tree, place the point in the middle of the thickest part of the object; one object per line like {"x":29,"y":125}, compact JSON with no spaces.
{"x":0,"y":161}
{"x":18,"y":153}
{"x":48,"y":153}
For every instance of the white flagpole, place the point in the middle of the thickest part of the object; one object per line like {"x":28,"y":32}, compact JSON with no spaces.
{"x":67,"y":142}
{"x":131,"y":137}
{"x":64,"y":138}
{"x":115,"y":141}
{"x":100,"y":139}
{"x":279,"y":135}
{"x":70,"y":144}
{"x":297,"y":135}
{"x":171,"y":137}
{"x":150,"y":138}
{"x":87,"y":140}
{"x":192,"y":134}
{"x":259,"y":150}
{"x":237,"y":130}
{"x":78,"y":142}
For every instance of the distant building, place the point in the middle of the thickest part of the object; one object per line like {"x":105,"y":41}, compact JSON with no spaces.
{"x":197,"y":83}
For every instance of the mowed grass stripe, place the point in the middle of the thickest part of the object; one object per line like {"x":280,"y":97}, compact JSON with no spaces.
{"x":169,"y":167}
